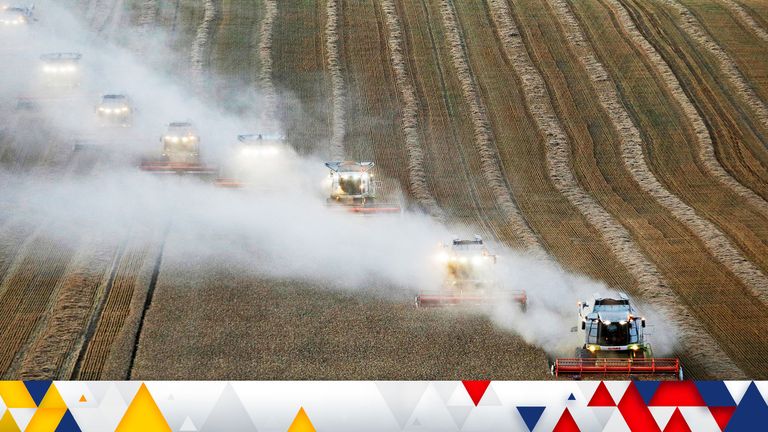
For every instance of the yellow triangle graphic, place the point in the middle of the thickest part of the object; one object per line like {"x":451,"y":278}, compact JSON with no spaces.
{"x":15,"y":395}
{"x":301,"y":423}
{"x":143,"y":414}
{"x":52,"y":399}
{"x":45,"y":419}
{"x":83,"y":399}
{"x":8,"y":424}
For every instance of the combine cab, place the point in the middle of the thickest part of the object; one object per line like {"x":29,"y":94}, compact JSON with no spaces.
{"x":615,"y":344}
{"x":61,"y":70}
{"x":353,"y":187}
{"x":254,"y":152}
{"x":115,"y":110}
{"x":181,"y":152}
{"x":470,"y":278}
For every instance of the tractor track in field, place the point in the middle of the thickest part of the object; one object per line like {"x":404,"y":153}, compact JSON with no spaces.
{"x":417,"y":178}
{"x":635,"y":164}
{"x":484,"y":141}
{"x":747,"y":271}
{"x":740,"y":13}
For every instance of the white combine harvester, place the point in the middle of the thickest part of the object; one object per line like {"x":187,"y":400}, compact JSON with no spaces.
{"x":354,"y":188}
{"x":256,"y":159}
{"x":16,"y":16}
{"x":615,"y":343}
{"x":470,"y":277}
{"x":115,"y":110}
{"x":180,"y":152}
{"x":61,"y":70}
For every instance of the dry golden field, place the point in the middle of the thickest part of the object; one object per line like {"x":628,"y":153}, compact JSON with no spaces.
{"x":624,"y":140}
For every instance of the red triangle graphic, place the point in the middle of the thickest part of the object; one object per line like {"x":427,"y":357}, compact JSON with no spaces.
{"x":566,"y":423}
{"x":677,"y":423}
{"x":602,"y":397}
{"x":677,"y":393}
{"x":722,"y":415}
{"x":476,"y":389}
{"x":635,"y":412}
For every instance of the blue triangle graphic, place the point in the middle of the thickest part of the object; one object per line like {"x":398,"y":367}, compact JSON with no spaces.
{"x":68,"y":424}
{"x":531,"y":415}
{"x":647,"y":389}
{"x":571,"y":397}
{"x":715,"y":393}
{"x":37,"y":389}
{"x":751,"y":413}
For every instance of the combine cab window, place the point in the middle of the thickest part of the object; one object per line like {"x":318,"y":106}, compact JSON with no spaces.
{"x":613,"y":334}
{"x":352,"y":185}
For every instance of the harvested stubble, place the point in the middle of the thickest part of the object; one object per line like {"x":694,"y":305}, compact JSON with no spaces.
{"x":52,"y":352}
{"x":338,"y":94}
{"x":265,"y":57}
{"x":568,"y":236}
{"x":372,"y":131}
{"x":723,"y":249}
{"x":409,"y":117}
{"x":691,"y":25}
{"x":299,"y":72}
{"x":747,"y":20}
{"x":647,"y":102}
{"x":198,"y":57}
{"x":484,"y":139}
{"x":107,"y":353}
{"x":26,"y":291}
{"x":291,"y":330}
{"x":631,"y":181}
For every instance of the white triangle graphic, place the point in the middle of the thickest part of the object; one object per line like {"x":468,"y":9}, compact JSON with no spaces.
{"x":490,"y":398}
{"x":662,"y":415}
{"x":602,"y":414}
{"x":616,"y":389}
{"x":699,"y":419}
{"x":737,"y":389}
{"x":616,"y":423}
{"x":22,"y":416}
{"x":445,"y":389}
{"x":460,"y":414}
{"x":460,"y":397}
{"x":402,"y":398}
{"x":188,"y":426}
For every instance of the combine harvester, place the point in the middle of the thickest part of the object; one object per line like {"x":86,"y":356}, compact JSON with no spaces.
{"x":615,"y":344}
{"x":61,"y":70}
{"x":470,"y":278}
{"x":16,"y":16}
{"x":353,"y":188}
{"x":181,"y":153}
{"x":115,"y":110}
{"x":257,"y":159}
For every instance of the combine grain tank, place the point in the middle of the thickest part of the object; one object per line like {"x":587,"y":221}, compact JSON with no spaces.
{"x":115,"y":110}
{"x":180,"y":152}
{"x":354,"y":188}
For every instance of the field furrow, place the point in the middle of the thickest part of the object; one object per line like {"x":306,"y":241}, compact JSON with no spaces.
{"x":199,"y":57}
{"x":746,"y":19}
{"x":264,"y":44}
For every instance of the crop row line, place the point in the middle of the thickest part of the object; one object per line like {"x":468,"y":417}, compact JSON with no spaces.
{"x":202,"y":42}
{"x":265,"y":57}
{"x":417,"y":178}
{"x":635,"y":163}
{"x":337,"y":79}
{"x":484,"y":141}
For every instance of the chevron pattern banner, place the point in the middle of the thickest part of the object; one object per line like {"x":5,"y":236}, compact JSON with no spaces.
{"x":307,"y":406}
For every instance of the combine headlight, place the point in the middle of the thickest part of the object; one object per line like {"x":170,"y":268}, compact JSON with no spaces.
{"x":606,"y":322}
{"x":622,"y":322}
{"x":593,"y":348}
{"x":477,"y":260}
{"x":634,"y":347}
{"x":442,"y":258}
